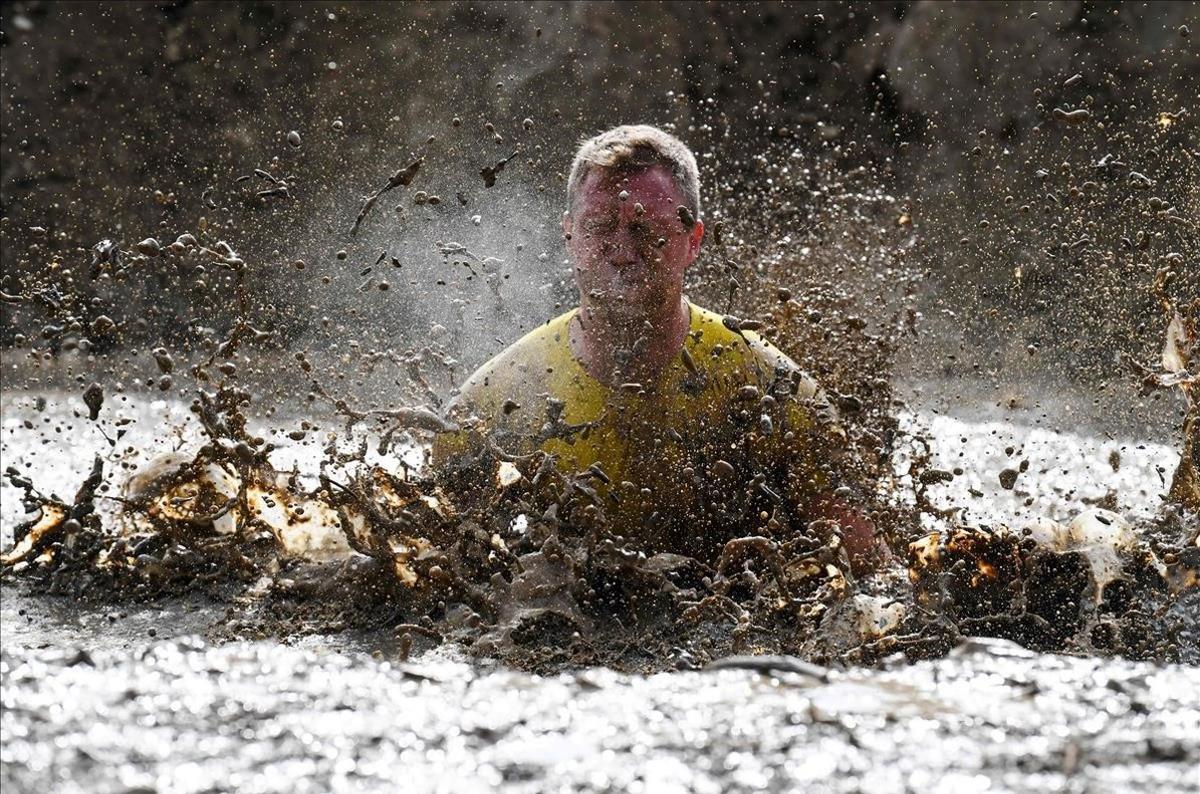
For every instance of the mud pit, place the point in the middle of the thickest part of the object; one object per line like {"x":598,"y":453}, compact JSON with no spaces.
{"x":217,"y":419}
{"x":517,"y":560}
{"x":507,"y":578}
{"x":994,"y":711}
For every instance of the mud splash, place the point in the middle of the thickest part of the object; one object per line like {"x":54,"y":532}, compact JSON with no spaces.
{"x":514,"y":559}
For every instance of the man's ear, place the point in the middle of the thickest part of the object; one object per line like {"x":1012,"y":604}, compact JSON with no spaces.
{"x":695,"y":238}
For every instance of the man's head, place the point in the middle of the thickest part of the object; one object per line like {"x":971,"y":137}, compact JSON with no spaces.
{"x":632,"y":221}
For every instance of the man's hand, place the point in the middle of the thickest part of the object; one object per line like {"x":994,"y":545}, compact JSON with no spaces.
{"x":867,"y":552}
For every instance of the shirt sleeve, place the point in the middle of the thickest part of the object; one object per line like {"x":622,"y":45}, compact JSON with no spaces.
{"x":471,"y":411}
{"x":800,"y":437}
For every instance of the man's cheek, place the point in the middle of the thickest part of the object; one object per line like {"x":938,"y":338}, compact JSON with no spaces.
{"x":674,"y":251}
{"x":585,"y":258}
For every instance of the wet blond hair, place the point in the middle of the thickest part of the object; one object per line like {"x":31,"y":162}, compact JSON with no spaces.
{"x":633,"y":146}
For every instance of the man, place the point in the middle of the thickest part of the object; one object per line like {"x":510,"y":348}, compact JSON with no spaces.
{"x":691,"y":430}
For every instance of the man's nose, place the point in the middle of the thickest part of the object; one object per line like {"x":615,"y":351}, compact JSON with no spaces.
{"x":625,"y":250}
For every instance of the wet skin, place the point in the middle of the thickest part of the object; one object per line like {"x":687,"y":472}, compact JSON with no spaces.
{"x":629,"y":256}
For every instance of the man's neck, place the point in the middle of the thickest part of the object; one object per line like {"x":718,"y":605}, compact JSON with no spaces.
{"x":637,"y":351}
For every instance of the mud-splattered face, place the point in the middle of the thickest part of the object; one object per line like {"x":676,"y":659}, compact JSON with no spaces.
{"x":627,"y":241}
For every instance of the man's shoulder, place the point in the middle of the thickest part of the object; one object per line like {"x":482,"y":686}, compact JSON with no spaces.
{"x":710,"y":329}
{"x":525,"y":359}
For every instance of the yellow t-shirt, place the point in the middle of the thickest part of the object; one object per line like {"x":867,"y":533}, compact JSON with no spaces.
{"x":684,"y":463}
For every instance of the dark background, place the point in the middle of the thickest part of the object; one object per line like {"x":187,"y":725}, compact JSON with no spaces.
{"x":920,"y":110}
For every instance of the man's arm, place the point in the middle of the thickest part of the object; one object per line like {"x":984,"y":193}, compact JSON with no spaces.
{"x":812,"y":457}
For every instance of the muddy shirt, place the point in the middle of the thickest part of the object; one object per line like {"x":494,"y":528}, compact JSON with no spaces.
{"x":729,"y":432}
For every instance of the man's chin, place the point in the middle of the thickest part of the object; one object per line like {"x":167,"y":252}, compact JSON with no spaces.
{"x":622,"y":313}
{"x":640,"y":304}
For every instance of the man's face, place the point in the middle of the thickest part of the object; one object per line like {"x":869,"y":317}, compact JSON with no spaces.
{"x":627,"y":242}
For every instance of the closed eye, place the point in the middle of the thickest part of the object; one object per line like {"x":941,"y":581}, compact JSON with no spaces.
{"x":600,"y":225}
{"x":640,"y":231}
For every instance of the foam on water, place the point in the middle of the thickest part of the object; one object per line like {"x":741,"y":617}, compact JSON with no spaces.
{"x":1066,"y":471}
{"x":991,"y":716}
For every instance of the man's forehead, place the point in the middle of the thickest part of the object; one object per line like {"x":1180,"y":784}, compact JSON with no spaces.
{"x":649,"y":185}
